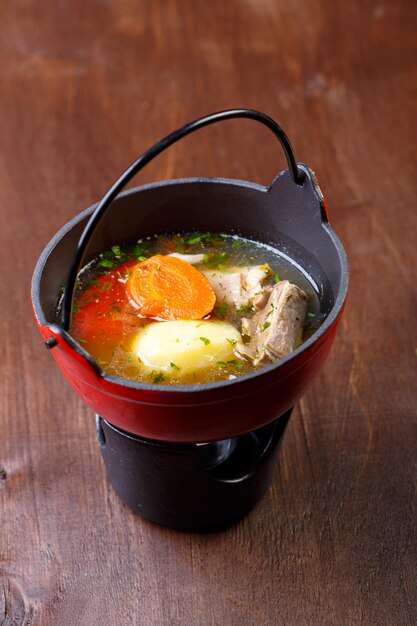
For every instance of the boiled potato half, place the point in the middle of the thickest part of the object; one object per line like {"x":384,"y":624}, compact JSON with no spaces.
{"x":181,"y":347}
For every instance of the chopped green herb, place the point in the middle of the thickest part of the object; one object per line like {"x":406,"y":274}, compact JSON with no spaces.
{"x":276,"y":277}
{"x":237,"y":243}
{"x":235,"y":364}
{"x":221,"y":310}
{"x":139,"y":251}
{"x":218,"y":261}
{"x":106,"y":263}
{"x":244,"y":308}
{"x":175,"y":367}
{"x":197,"y":239}
{"x":231,"y":341}
{"x":205,"y":340}
{"x":116,"y":251}
{"x":264,"y":326}
{"x":82,"y":341}
{"x":116,"y":308}
{"x":158,"y":377}
{"x":311,"y":314}
{"x":75,"y":309}
{"x":180,"y":245}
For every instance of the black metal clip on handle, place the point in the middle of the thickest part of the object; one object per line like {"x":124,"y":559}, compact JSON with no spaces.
{"x":296,"y":174}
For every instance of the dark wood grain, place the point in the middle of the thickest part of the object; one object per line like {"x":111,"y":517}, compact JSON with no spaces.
{"x":87,"y":86}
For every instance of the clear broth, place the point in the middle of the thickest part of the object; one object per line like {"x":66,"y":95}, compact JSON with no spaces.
{"x":104,"y":321}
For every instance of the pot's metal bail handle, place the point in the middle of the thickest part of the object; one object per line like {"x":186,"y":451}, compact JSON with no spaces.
{"x":296,"y":174}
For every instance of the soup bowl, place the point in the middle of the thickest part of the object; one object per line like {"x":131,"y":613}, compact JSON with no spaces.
{"x":289,"y":215}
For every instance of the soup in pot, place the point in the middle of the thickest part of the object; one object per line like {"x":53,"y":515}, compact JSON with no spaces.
{"x":192,"y":308}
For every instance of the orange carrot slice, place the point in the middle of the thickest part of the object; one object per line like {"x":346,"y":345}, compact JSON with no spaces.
{"x":170,"y":288}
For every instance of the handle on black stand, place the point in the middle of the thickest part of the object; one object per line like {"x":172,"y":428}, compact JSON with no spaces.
{"x":296,"y":174}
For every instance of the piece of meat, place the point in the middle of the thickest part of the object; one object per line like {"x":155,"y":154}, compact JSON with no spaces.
{"x":261,"y":298}
{"x":239,"y":285}
{"x":276,"y":329}
{"x":226,"y":285}
{"x":252,"y":280}
{"x":193,"y":259}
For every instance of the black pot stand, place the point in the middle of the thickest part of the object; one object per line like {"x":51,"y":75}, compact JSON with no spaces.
{"x":198,"y":486}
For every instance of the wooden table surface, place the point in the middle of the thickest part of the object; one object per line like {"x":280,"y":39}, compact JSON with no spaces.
{"x":84,"y":88}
